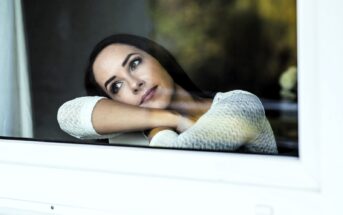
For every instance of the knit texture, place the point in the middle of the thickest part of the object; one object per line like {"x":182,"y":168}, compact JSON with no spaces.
{"x":235,"y":121}
{"x":75,"y":118}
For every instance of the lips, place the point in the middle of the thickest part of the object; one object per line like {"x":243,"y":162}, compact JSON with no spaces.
{"x":149,"y":94}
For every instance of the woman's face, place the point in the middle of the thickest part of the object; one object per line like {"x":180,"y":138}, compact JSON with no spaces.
{"x":130,"y":75}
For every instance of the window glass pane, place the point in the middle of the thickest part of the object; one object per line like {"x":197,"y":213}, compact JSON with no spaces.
{"x":221,"y":45}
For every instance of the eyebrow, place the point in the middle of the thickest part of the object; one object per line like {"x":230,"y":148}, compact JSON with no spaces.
{"x":109,"y":81}
{"x":127,"y":58}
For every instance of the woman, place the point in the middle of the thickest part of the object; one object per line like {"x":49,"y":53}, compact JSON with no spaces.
{"x":135,"y":84}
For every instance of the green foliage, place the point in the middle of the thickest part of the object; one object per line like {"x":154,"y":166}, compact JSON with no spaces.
{"x":226,"y":44}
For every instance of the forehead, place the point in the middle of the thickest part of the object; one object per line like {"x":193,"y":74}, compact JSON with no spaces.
{"x":113,"y":55}
{"x":110,"y":59}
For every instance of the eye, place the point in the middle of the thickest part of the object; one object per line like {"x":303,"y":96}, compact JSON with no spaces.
{"x":115,"y":87}
{"x":134,"y":63}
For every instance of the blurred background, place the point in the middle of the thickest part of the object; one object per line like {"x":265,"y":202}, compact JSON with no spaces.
{"x":222,"y":44}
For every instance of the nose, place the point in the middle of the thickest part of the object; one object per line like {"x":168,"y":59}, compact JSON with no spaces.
{"x":137,"y":86}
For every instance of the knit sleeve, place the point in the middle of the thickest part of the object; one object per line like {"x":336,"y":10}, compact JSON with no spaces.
{"x":235,"y":120}
{"x":75,"y":118}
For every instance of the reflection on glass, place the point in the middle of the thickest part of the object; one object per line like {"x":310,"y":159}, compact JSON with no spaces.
{"x":222,"y":45}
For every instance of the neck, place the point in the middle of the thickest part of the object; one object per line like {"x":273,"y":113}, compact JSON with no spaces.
{"x":185,"y":104}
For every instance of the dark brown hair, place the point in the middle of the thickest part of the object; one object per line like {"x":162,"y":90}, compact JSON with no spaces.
{"x":155,"y":50}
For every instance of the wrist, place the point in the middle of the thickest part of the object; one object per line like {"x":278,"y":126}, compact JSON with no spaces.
{"x":165,"y":118}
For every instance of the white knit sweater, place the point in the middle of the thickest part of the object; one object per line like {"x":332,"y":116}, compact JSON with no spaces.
{"x":235,"y":121}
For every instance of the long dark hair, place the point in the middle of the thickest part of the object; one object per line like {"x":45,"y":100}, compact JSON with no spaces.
{"x":157,"y":51}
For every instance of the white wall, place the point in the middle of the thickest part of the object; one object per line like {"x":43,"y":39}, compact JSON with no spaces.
{"x":330,"y":65}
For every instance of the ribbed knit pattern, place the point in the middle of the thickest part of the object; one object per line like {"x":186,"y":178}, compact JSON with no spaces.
{"x":75,"y":118}
{"x":235,"y":121}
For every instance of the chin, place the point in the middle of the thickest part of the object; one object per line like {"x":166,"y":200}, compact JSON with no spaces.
{"x":158,"y":105}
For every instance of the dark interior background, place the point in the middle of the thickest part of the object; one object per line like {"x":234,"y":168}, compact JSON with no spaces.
{"x":60,"y":36}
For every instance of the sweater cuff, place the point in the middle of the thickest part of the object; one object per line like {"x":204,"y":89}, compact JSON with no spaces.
{"x":75,"y":117}
{"x":86,"y":117}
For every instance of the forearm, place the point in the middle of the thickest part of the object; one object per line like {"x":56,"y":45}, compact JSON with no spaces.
{"x":109,"y":116}
{"x":93,"y":117}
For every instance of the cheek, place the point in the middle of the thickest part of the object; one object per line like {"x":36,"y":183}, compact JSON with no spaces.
{"x":155,"y":73}
{"x":163,"y":78}
{"x":167,"y":80}
{"x":126,"y":97}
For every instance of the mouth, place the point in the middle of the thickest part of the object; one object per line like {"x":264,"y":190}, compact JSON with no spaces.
{"x":148,"y":95}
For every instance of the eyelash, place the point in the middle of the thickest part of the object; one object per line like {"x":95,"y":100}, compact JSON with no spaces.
{"x":115,"y":88}
{"x":133,"y":65}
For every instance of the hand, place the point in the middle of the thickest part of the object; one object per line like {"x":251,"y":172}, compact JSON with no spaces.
{"x":184,"y":123}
